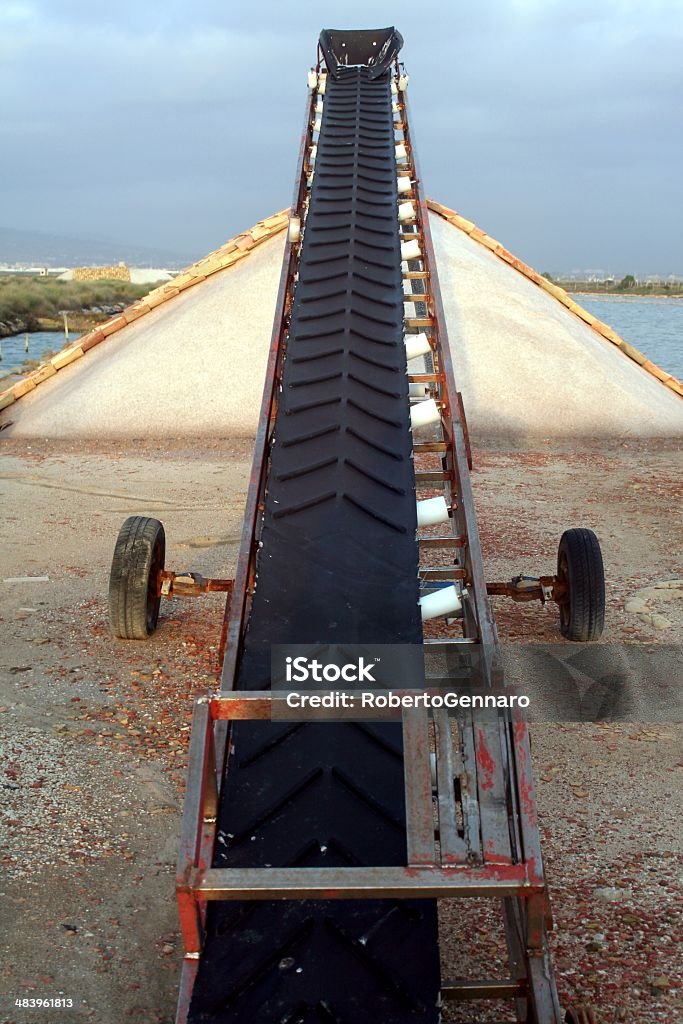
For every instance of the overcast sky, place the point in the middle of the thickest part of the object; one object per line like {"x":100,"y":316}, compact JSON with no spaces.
{"x":557,"y":125}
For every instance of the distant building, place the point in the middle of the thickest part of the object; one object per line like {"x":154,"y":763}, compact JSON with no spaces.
{"x":16,"y":270}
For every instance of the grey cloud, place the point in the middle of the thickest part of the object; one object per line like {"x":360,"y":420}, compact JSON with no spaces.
{"x":556,"y":125}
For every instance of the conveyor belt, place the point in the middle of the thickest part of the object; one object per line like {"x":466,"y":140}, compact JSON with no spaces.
{"x":338,"y":563}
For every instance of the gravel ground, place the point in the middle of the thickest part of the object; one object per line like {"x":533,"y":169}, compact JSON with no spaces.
{"x":94,"y":731}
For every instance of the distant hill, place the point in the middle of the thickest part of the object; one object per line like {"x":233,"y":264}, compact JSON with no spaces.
{"x":44,"y":250}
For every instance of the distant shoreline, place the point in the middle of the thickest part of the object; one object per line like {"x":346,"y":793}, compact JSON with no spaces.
{"x":38,"y":303}
{"x":79,"y":322}
{"x":620,"y":296}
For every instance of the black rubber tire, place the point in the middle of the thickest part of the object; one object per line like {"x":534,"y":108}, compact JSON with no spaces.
{"x":579,"y":565}
{"x":139,"y":557}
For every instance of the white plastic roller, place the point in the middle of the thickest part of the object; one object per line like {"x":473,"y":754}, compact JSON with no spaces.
{"x":312,"y":79}
{"x":322,"y":83}
{"x":432,"y":511}
{"x":294,"y":229}
{"x":411,"y":250}
{"x":424,"y":413}
{"x":317,"y":124}
{"x":395,"y":109}
{"x":313,"y":154}
{"x":401,"y":153}
{"x":445,"y":601}
{"x":394,"y":89}
{"x":418,"y":390}
{"x":406,"y":212}
{"x":403,"y":83}
{"x":403,"y":184}
{"x":319,"y":105}
{"x":417,"y":345}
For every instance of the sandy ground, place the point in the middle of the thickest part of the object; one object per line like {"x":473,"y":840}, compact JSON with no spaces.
{"x":94,"y":731}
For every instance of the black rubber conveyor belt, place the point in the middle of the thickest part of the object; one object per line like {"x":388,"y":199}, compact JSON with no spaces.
{"x":338,"y":564}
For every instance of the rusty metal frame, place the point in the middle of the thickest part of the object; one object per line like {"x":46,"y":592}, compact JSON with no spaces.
{"x":488,"y":842}
{"x":504,"y":755}
{"x":428,"y":872}
{"x":531,"y":588}
{"x":190,"y":584}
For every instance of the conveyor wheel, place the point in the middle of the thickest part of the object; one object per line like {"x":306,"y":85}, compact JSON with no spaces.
{"x":580,"y":568}
{"x":134,"y":594}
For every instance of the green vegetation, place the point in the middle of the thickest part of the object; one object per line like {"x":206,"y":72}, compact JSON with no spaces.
{"x":627,"y":286}
{"x":30,"y":299}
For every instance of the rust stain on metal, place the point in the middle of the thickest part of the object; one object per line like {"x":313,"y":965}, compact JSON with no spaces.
{"x":527,"y":798}
{"x":190,"y":584}
{"x":485,"y":762}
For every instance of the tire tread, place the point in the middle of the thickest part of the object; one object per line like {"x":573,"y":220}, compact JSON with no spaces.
{"x":129,"y":576}
{"x":586,"y":579}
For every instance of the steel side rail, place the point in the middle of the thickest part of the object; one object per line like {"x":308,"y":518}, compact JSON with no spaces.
{"x":419,"y":881}
{"x":492,"y":755}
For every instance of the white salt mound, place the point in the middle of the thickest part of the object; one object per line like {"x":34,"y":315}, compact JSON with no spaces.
{"x":527,"y":367}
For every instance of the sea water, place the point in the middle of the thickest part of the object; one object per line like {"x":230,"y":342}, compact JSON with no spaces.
{"x":14,"y":352}
{"x":652,"y":325}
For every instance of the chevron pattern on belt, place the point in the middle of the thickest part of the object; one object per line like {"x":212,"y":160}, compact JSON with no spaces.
{"x":337,"y":564}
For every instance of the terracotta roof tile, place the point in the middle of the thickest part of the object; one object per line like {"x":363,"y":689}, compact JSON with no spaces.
{"x":113,"y":325}
{"x":67,"y":356}
{"x":134,"y":312}
{"x":22,"y":387}
{"x":43,"y":372}
{"x":91,"y":340}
